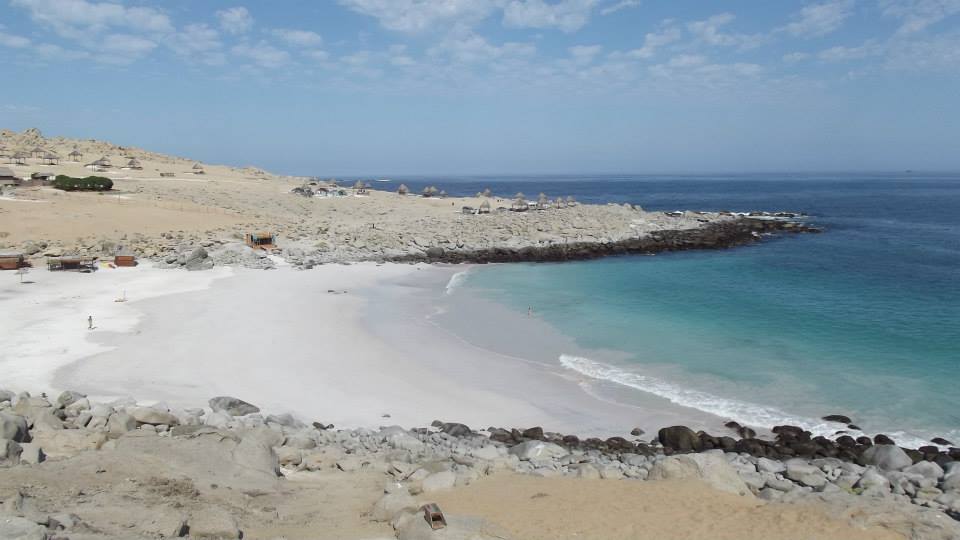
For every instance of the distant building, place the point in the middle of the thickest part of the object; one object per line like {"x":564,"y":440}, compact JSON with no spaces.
{"x":7,"y":178}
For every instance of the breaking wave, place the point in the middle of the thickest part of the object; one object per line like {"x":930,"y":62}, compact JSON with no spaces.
{"x":455,"y":281}
{"x":743,"y":412}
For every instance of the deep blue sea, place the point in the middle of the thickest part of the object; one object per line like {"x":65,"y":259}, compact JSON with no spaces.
{"x":862,"y":320}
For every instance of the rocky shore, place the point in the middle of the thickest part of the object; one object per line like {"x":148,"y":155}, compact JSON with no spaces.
{"x":74,"y":468}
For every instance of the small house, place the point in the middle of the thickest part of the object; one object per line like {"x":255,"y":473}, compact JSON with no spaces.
{"x":124,"y":258}
{"x":75,"y":156}
{"x":260,"y":240}
{"x":75,"y":263}
{"x":12,"y":261}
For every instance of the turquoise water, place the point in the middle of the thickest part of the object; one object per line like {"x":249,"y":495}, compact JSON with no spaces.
{"x":862,"y":320}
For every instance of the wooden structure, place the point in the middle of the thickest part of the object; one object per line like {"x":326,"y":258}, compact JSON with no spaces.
{"x":76,"y":263}
{"x":260,"y":240}
{"x":124,"y":259}
{"x":403,"y":190}
{"x":20,"y":158}
{"x":12,"y":261}
{"x":167,"y":175}
{"x":484,"y":208}
{"x":75,"y":156}
{"x":359,"y":188}
{"x":38,"y":153}
{"x":520,"y":203}
{"x":434,"y":516}
{"x":51,"y":159}
{"x":198,"y":169}
{"x":133,"y":164}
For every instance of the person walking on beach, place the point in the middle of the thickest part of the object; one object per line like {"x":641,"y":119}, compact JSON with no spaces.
{"x":529,"y":312}
{"x":90,"y":322}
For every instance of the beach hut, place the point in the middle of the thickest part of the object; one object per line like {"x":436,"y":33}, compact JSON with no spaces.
{"x":7,"y":177}
{"x":198,"y":169}
{"x":38,"y":153}
{"x":20,"y":158}
{"x":430,"y":191}
{"x":260,"y":240}
{"x":520,"y":203}
{"x":359,"y":188}
{"x":12,"y":261}
{"x":403,"y":190}
{"x":75,"y":156}
{"x":558,"y":203}
{"x":124,"y":258}
{"x":484,"y":208}
{"x":51,"y":159}
{"x":542,"y":202}
{"x":571,"y":201}
{"x":133,"y":164}
{"x":71,"y":262}
{"x":103,"y":163}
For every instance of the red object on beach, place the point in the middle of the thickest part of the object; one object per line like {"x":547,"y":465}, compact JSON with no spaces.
{"x":434,"y":516}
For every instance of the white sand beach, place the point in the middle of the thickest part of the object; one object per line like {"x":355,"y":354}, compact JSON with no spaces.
{"x":283,"y":340}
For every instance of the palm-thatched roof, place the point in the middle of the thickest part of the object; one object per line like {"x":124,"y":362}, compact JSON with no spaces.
{"x":430,"y":191}
{"x":403,"y":189}
{"x":75,"y":153}
{"x":359,"y":185}
{"x":485,"y":206}
{"x":197,"y":167}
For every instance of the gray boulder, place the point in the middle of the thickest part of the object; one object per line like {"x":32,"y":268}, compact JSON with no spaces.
{"x":887,"y":457}
{"x":951,"y":482}
{"x":6,"y":395}
{"x":68,"y":397}
{"x":154,"y":417}
{"x":392,"y":504}
{"x":18,"y":528}
{"x":232,"y":406}
{"x":10,"y":451}
{"x":13,"y":427}
{"x":712,"y":468}
{"x":537,"y":450}
{"x":121,"y":422}
{"x":679,"y":438}
{"x":213,"y":523}
{"x":439,"y":481}
{"x":800,"y":471}
{"x":926,"y":469}
{"x":770,"y":466}
{"x":873,"y":479}
{"x":31,"y":454}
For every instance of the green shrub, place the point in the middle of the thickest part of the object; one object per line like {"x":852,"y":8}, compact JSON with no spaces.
{"x":90,"y":183}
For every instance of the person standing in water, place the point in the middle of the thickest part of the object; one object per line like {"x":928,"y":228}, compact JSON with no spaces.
{"x":529,"y":312}
{"x":90,"y":322}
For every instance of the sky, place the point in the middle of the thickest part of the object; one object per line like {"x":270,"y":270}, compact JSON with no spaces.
{"x":432,"y":87}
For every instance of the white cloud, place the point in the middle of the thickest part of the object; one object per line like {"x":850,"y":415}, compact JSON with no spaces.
{"x":472,"y":48}
{"x":821,"y":19}
{"x":78,"y":18}
{"x":235,"y":20}
{"x":420,"y":15}
{"x":566,"y":15}
{"x":846,"y":54}
{"x":917,"y":15}
{"x":16,"y":42}
{"x":709,"y":31}
{"x":262,"y":54}
{"x":198,"y":43}
{"x":298,"y":38}
{"x":655,"y":40}
{"x":123,"y":49}
{"x":796,"y":57}
{"x":940,"y":54}
{"x":584,"y":54}
{"x":622,"y":4}
{"x":687,"y":60}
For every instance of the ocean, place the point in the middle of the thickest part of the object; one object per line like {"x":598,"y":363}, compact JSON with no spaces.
{"x":863,"y":320}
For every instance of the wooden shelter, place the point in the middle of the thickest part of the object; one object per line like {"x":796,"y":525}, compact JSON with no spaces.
{"x":520,"y":203}
{"x":51,"y":159}
{"x":20,"y":158}
{"x":103,"y":163}
{"x":260,"y":240}
{"x":124,"y":258}
{"x":542,"y":202}
{"x":360,"y":188}
{"x":198,"y":169}
{"x":75,"y":156}
{"x":403,"y":190}
{"x":76,"y":263}
{"x":484,"y":208}
{"x":430,"y":191}
{"x":133,"y":164}
{"x":12,"y":261}
{"x":38,"y":153}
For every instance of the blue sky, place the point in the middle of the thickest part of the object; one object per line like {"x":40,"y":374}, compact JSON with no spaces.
{"x":495,"y":86}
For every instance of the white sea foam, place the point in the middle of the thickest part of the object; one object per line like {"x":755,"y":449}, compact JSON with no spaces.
{"x":743,"y":412}
{"x":455,"y":281}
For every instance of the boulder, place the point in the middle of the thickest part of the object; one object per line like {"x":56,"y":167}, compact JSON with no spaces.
{"x":873,"y":479}
{"x":926,"y":469}
{"x":455,"y":429}
{"x":121,"y":422}
{"x":951,"y":482}
{"x":31,"y":454}
{"x":679,"y":438}
{"x":301,"y":441}
{"x":439,"y":481}
{"x":18,"y":528}
{"x":6,"y":395}
{"x":69,"y":397}
{"x":804,"y":473}
{"x":537,"y":450}
{"x":69,"y":442}
{"x":13,"y":427}
{"x":288,"y":457}
{"x":392,"y":504}
{"x":712,"y":468}
{"x":255,"y":452}
{"x":770,"y":466}
{"x":232,"y":406}
{"x":887,"y":457}
{"x":488,"y":453}
{"x":588,"y":471}
{"x":154,"y":417}
{"x":838,"y":418}
{"x":10,"y":451}
{"x":285,"y":420}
